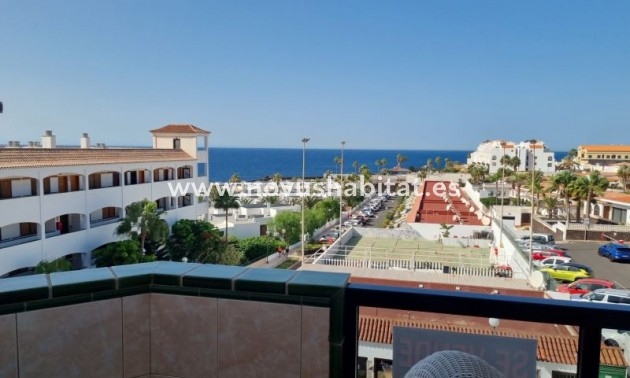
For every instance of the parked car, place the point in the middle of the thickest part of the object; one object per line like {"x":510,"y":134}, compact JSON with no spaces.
{"x":553,"y":260}
{"x":585,"y":285}
{"x":568,"y":271}
{"x":541,"y":255}
{"x":616,"y":296}
{"x":540,"y":238}
{"x":615,"y":251}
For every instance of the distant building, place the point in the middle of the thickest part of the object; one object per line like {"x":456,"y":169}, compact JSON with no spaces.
{"x":65,"y":202}
{"x":600,"y":156}
{"x":489,"y":153}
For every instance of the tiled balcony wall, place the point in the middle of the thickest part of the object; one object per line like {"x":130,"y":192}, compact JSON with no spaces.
{"x":171,"y":320}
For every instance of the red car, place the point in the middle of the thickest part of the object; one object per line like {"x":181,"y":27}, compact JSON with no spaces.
{"x":585,"y":285}
{"x":541,"y":255}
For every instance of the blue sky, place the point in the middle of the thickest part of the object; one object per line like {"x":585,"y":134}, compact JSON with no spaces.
{"x":378,"y":74}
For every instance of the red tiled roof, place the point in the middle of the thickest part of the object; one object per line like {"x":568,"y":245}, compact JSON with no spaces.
{"x":556,"y":349}
{"x":55,"y":157}
{"x":605,"y":148}
{"x":616,"y":196}
{"x":180,"y":129}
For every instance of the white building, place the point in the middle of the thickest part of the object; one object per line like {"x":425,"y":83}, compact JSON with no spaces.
{"x":57,"y":202}
{"x":489,"y":153}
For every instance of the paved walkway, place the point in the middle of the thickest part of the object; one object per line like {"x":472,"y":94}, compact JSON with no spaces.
{"x":274,"y":260}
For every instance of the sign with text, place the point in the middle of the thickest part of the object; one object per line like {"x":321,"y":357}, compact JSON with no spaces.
{"x":513,"y":357}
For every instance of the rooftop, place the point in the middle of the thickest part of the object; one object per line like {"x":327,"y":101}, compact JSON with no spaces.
{"x":56,"y":157}
{"x":615,"y":196}
{"x":180,"y":129}
{"x":605,"y":148}
{"x":555,"y":349}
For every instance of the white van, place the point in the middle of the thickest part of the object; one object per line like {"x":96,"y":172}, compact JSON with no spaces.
{"x":616,"y":296}
{"x":540,"y":238}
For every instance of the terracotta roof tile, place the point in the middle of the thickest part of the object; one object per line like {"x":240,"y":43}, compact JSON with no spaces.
{"x":616,"y":196}
{"x":180,"y":129}
{"x":605,"y":148}
{"x":54,"y":157}
{"x":556,"y":349}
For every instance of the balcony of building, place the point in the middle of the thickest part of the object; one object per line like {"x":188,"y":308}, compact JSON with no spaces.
{"x":104,"y":216}
{"x":64,"y":224}
{"x":193,"y":320}
{"x":137,"y":177}
{"x":63,"y":183}
{"x":17,"y":187}
{"x":18,"y":233}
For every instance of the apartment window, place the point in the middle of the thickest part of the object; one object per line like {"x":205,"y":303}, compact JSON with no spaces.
{"x":109,"y":212}
{"x":607,"y":156}
{"x":619,"y":216}
{"x":589,"y":156}
{"x":177,"y":144}
{"x":549,"y":165}
{"x":560,"y":374}
{"x":494,"y":158}
{"x":613,"y":156}
{"x":549,"y":158}
{"x":599,"y":156}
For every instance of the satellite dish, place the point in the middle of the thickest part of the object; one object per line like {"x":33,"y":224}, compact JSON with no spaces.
{"x":537,"y":280}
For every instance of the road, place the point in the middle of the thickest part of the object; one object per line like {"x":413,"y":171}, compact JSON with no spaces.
{"x":379,"y":216}
{"x":586,"y":253}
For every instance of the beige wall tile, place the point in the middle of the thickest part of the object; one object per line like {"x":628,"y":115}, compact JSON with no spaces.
{"x":183,"y":336}
{"x":8,"y":347}
{"x":83,"y":340}
{"x":258,"y":339}
{"x":137,"y":335}
{"x":315,"y":350}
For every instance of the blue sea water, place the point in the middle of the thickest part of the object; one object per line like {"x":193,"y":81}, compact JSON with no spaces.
{"x":257,"y":163}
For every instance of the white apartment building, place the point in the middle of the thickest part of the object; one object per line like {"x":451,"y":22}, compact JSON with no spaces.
{"x":489,"y":153}
{"x":65,"y":202}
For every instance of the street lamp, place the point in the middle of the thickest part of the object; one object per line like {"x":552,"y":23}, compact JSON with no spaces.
{"x":268,"y":244}
{"x":343,"y":143}
{"x":304,"y":141}
{"x":502,"y":194}
{"x":531,"y":227}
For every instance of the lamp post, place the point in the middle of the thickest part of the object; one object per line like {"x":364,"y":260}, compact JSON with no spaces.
{"x":343,"y":143}
{"x":268,"y":236}
{"x":502,"y":194}
{"x":304,"y":141}
{"x":531,"y":227}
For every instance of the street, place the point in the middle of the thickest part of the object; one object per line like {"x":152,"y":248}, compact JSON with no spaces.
{"x":585,"y":252}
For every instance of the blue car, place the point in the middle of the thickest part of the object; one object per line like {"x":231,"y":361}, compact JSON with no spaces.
{"x":615,"y":251}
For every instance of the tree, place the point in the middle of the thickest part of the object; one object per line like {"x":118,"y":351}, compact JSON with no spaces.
{"x":429,"y":165}
{"x":624,"y":175}
{"x":477,"y":172}
{"x":364,"y":170}
{"x":550,"y":203}
{"x":438,"y":161}
{"x":276,"y":177}
{"x":446,"y":229}
{"x":291,"y":223}
{"x":383,"y":164}
{"x":518,"y":180}
{"x":329,"y":208}
{"x":235,"y":178}
{"x":355,"y":164}
{"x":245,"y":201}
{"x":259,"y":246}
{"x":310,"y":201}
{"x":495,"y":178}
{"x":537,"y":181}
{"x":121,"y":253}
{"x":337,"y":161}
{"x":578,"y":195}
{"x":560,"y":183}
{"x":143,"y":223}
{"x":515,"y":162}
{"x":270,"y":200}
{"x":197,"y":240}
{"x":378,"y":165}
{"x":592,"y":185}
{"x":400,"y":158}
{"x":226,"y":202}
{"x":58,"y":265}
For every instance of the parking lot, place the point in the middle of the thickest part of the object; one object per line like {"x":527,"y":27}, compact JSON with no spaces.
{"x":585,"y":252}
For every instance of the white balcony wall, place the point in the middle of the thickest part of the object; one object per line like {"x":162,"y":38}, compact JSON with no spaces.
{"x":57,"y":204}
{"x":61,"y":245}
{"x":99,"y":198}
{"x":21,"y":187}
{"x":20,"y":256}
{"x":161,"y":189}
{"x":136,"y":193}
{"x":18,"y":210}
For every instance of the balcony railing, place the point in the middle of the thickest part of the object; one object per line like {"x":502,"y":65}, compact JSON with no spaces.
{"x":590,"y":318}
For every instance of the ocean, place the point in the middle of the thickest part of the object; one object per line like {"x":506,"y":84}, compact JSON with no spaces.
{"x":256,"y":163}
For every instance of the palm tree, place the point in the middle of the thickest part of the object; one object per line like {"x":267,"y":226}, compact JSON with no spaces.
{"x":327,"y":173}
{"x":270,"y":200}
{"x":515,"y":162}
{"x":142,"y":221}
{"x":437,"y":160}
{"x":578,"y":194}
{"x":495,"y":178}
{"x":383,"y":163}
{"x":365,"y":171}
{"x":593,"y":185}
{"x":560,"y":183}
{"x":429,"y":165}
{"x":276,"y":177}
{"x":400,"y":158}
{"x":355,"y":164}
{"x":538,"y":180}
{"x":518,"y":180}
{"x":551,"y":204}
{"x":378,"y":165}
{"x":624,"y":175}
{"x":235,"y":178}
{"x":447,"y":164}
{"x":245,"y":201}
{"x":226,"y":202}
{"x":337,"y":161}
{"x":310,"y":201}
